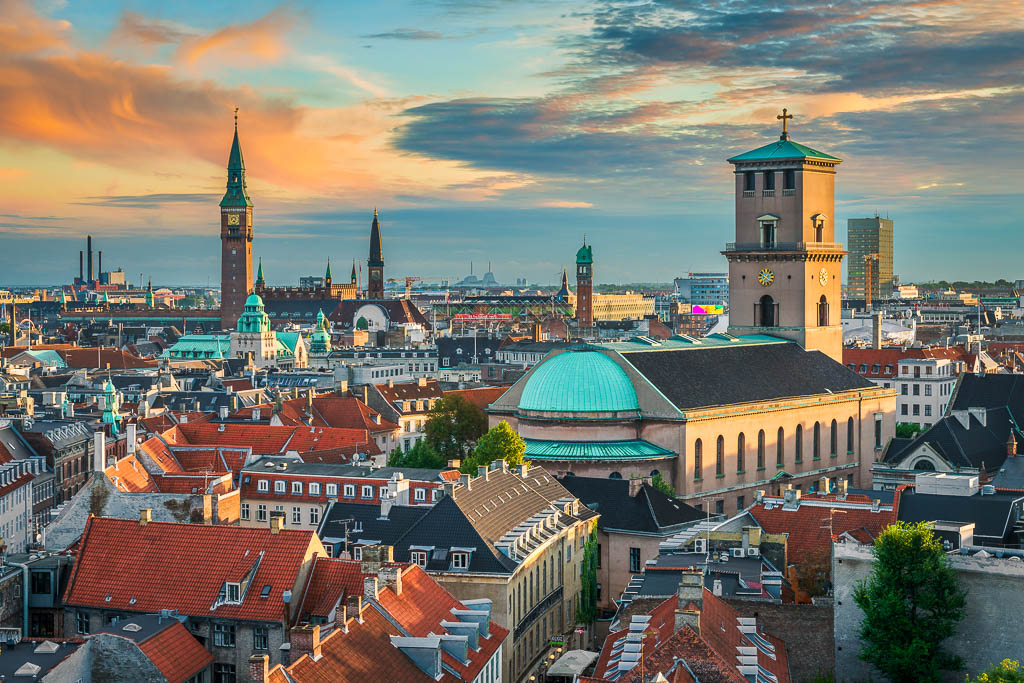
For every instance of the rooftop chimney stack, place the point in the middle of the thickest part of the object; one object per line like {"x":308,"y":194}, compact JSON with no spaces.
{"x":876,"y":331}
{"x":690,"y":599}
{"x":145,"y":516}
{"x":88,"y":248}
{"x":259,"y":667}
{"x":99,"y":264}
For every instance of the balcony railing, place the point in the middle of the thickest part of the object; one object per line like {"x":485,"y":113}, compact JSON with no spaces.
{"x":767,"y":193}
{"x":784,"y":246}
{"x":790,"y":192}
{"x":749,"y":193}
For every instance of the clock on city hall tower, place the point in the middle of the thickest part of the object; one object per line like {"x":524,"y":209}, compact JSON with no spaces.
{"x":235,"y":239}
{"x":784,"y":267}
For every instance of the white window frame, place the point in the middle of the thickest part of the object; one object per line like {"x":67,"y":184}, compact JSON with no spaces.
{"x":314,"y":488}
{"x":460,"y":560}
{"x":314,"y":515}
{"x":366,"y":492}
{"x":419,"y":494}
{"x":332,"y":490}
{"x":296,"y":488}
{"x":279,"y":486}
{"x":419,"y":558}
{"x":263,"y":485}
{"x":296,"y":514}
{"x":261,"y":512}
{"x":349,"y":491}
{"x":245,"y":511}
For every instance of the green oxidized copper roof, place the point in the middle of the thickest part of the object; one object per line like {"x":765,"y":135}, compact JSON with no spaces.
{"x":328,"y":275}
{"x":594,"y":450}
{"x":200,"y":346}
{"x":585,"y":254}
{"x":782,"y":149}
{"x":583,"y":381}
{"x":288,"y":340}
{"x":236,"y":194}
{"x":259,"y":272}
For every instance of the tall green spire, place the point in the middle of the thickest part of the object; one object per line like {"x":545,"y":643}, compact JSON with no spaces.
{"x":353,"y":271}
{"x":236,"y":194}
{"x":259,"y":273}
{"x":328,"y":275}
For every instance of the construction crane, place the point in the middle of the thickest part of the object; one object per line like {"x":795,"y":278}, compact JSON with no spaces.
{"x":868,"y":259}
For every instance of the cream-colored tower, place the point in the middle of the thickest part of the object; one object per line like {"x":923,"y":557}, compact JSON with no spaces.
{"x":784,"y":267}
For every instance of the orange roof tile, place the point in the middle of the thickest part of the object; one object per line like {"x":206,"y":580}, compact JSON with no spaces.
{"x":481,"y":397}
{"x":124,"y":565}
{"x":176,"y":653}
{"x":329,"y":410}
{"x":129,"y":475}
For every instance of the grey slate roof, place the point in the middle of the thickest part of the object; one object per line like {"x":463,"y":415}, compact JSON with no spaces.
{"x":722,"y":375}
{"x":649,"y":511}
{"x":993,"y":516}
{"x":973,"y":446}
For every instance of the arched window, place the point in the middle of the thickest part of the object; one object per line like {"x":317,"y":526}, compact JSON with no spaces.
{"x":766,"y":311}
{"x":615,"y":475}
{"x":780,"y":448}
{"x":760,"y":450}
{"x":816,"y":446}
{"x":834,"y":440}
{"x":924,"y":465}
{"x":655,"y":473}
{"x":720,"y":456}
{"x":698,"y":459}
{"x":741,"y":451}
{"x":849,"y":436}
{"x":822,"y":311}
{"x":799,"y":443}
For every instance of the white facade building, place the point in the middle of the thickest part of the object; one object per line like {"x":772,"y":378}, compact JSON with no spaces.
{"x":925,"y":385}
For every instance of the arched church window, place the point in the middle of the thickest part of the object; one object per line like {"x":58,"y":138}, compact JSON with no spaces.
{"x":822,"y":311}
{"x":834,"y":439}
{"x":741,"y":451}
{"x":720,"y":456}
{"x":780,"y":448}
{"x":760,"y":450}
{"x":799,"y":443}
{"x":924,"y":465}
{"x":849,"y":435}
{"x":816,"y":446}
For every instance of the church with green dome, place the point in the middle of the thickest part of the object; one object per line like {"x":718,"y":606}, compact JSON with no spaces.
{"x":253,"y":338}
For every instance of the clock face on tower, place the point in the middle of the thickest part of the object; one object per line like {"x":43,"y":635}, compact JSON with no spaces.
{"x":823,"y":277}
{"x":233,"y":218}
{"x":375,"y":274}
{"x":765,"y":277}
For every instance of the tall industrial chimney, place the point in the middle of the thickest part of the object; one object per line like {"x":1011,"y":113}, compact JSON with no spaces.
{"x":99,"y":266}
{"x":81,"y":272}
{"x":88,"y":248}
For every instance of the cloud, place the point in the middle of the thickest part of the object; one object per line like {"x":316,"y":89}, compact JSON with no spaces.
{"x":262,"y":39}
{"x":136,"y":28}
{"x":407,"y":34}
{"x":149,"y":201}
{"x":23,"y":30}
{"x":565,"y":204}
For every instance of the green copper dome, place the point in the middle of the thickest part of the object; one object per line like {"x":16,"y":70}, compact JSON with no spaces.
{"x":579,"y":382}
{"x":585,"y":255}
{"x":254,"y":319}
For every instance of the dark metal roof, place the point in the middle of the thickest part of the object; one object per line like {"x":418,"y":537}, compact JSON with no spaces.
{"x":993,"y":516}
{"x":649,"y":511}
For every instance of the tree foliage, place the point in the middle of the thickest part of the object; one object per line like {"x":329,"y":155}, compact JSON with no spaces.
{"x":912,"y":601}
{"x":501,"y":442}
{"x":1006,"y":671}
{"x":659,"y":482}
{"x":422,"y":454}
{"x":453,"y":427}
{"x":907,"y":430}
{"x":586,"y":606}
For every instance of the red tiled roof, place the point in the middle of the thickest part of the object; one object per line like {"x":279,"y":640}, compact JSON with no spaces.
{"x":243,"y":384}
{"x":129,"y":475}
{"x":164,"y":421}
{"x":720,"y":629}
{"x":658,"y":631}
{"x":329,"y":410}
{"x":12,"y":351}
{"x":890,"y":358}
{"x":24,"y":479}
{"x":410,"y":391}
{"x":123,"y":565}
{"x":103,"y":357}
{"x":271,"y":440}
{"x":176,"y":653}
{"x":704,"y":662}
{"x":481,"y":397}
{"x":214,"y":483}
{"x":808,"y":524}
{"x":329,"y":581}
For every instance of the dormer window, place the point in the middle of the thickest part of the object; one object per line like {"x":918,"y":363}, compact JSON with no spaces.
{"x":263,"y":485}
{"x":419,"y":558}
{"x":279,"y":487}
{"x":232,"y":593}
{"x":460,"y":560}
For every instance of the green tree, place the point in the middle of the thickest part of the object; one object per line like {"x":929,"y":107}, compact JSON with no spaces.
{"x":499,"y":443}
{"x":907,"y":430}
{"x":912,"y":601}
{"x":1006,"y":671}
{"x":453,"y":427}
{"x":5,"y":328}
{"x":422,"y":454}
{"x":659,"y":482}
{"x":586,"y":606}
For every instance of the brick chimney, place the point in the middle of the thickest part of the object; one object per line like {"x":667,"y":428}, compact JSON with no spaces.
{"x":636,"y":485}
{"x":690,"y":599}
{"x":823,"y":486}
{"x":259,"y":667}
{"x":391,"y":577}
{"x":341,"y":618}
{"x":305,"y":640}
{"x":276,"y":524}
{"x":370,"y":587}
{"x":354,"y":607}
{"x":422,"y":381}
{"x":145,"y":516}
{"x":375,"y":557}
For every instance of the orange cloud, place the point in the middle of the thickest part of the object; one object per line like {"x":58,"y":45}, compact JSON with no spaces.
{"x":262,"y":38}
{"x":22,"y":30}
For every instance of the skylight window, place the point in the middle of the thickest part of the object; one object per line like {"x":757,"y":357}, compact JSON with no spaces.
{"x":265,"y":593}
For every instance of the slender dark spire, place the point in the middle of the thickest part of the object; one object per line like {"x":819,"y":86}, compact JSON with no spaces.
{"x":376,"y":253}
{"x":327,"y":276}
{"x":259,"y":273}
{"x":236,"y":194}
{"x":353,"y":271}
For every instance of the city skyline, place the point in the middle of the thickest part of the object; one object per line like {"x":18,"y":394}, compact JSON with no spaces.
{"x":119,"y":125}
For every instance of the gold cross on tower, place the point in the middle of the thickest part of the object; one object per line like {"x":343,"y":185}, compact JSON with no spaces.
{"x":783,"y":117}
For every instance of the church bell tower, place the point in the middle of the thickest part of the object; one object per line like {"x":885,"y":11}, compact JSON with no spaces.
{"x":375,"y":264}
{"x":585,"y":286}
{"x":235,"y":239}
{"x":784,"y":267}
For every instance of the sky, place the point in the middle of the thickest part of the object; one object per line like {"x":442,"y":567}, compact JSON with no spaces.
{"x":497,"y":130}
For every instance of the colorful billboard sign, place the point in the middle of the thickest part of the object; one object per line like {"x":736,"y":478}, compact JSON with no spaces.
{"x":481,"y":317}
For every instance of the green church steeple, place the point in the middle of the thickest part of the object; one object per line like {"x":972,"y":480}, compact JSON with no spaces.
{"x":236,"y":194}
{"x":328,"y":275}
{"x":259,"y":273}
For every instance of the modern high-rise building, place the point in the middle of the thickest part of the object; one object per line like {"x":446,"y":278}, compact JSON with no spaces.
{"x":866,"y":237}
